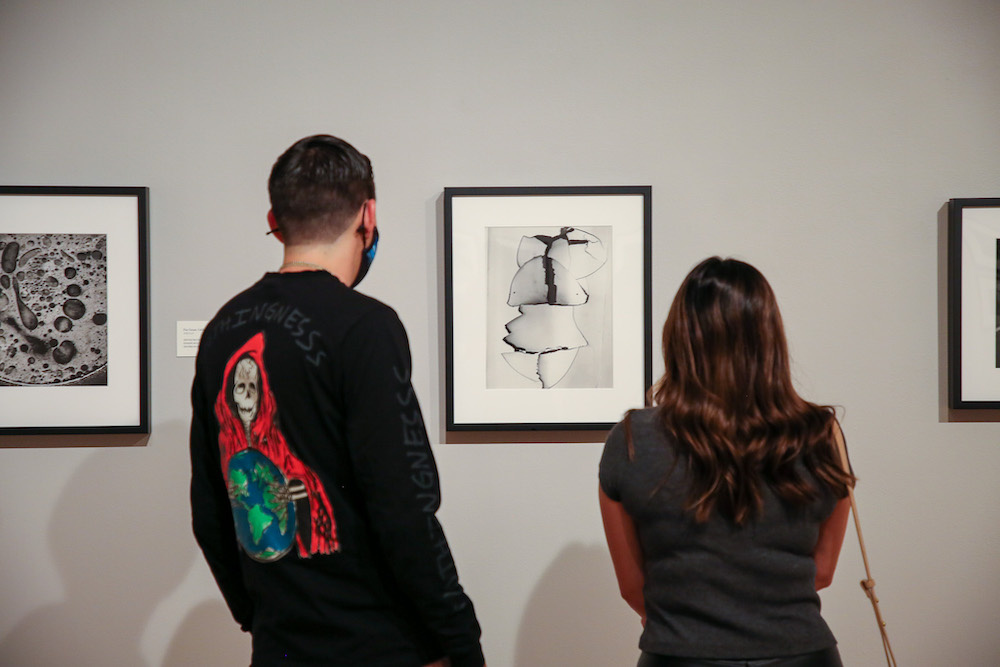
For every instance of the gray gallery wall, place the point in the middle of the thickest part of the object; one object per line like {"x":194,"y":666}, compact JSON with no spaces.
{"x":818,"y":140}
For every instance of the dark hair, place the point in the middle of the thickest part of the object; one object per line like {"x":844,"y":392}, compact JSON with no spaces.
{"x":316,"y":186}
{"x":726,"y":396}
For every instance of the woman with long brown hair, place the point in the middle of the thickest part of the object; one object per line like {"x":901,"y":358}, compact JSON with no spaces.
{"x":724,"y":504}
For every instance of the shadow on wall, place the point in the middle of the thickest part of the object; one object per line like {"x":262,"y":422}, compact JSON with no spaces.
{"x":199,"y":639}
{"x":121,"y":541}
{"x":575,"y":615}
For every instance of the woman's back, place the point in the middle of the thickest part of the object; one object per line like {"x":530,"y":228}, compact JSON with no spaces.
{"x":714,"y":589}
{"x":720,"y":504}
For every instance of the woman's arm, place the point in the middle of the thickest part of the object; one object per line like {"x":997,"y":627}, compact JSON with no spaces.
{"x":831,"y":537}
{"x":626,"y":553}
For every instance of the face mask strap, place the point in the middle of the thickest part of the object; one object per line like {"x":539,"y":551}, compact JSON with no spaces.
{"x":367,"y":257}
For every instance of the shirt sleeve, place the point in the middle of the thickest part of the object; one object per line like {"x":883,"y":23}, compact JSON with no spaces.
{"x":612,"y":460}
{"x":399,"y":481}
{"x":211,"y":514}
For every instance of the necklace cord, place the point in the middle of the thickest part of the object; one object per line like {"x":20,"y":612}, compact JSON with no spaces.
{"x":308,"y":265}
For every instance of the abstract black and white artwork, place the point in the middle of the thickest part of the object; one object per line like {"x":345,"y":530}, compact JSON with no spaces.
{"x":549,"y":303}
{"x":53,"y":309}
{"x":73,"y":310}
{"x":974,"y":303}
{"x":547,"y":306}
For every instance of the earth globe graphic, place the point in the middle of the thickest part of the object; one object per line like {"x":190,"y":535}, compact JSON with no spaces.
{"x":262,"y":509}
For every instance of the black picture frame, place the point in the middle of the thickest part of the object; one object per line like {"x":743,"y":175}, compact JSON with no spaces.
{"x":74,"y":336}
{"x":495,"y":382}
{"x":974,"y":303}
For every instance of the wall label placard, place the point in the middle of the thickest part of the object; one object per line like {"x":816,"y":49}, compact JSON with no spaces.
{"x":188,"y":336}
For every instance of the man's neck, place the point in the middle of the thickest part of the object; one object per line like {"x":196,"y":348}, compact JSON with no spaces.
{"x":313,"y":257}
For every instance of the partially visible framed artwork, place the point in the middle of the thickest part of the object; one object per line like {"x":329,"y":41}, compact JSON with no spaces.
{"x":74,"y":314}
{"x":974,"y":303}
{"x":547,"y":294}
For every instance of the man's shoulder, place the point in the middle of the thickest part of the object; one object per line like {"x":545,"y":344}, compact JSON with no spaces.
{"x":326,"y":298}
{"x":234,"y":302}
{"x":332,"y":309}
{"x":368,"y":307}
{"x":231,"y":305}
{"x":375,"y":325}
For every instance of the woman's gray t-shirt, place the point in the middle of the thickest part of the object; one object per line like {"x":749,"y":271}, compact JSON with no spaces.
{"x":715,"y":590}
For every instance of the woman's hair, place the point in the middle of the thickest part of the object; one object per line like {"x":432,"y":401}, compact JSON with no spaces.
{"x":726,"y":396}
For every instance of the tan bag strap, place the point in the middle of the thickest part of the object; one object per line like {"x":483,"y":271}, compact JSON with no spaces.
{"x":868,"y":584}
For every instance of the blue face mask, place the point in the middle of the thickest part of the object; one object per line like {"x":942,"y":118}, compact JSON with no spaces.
{"x":367,"y":257}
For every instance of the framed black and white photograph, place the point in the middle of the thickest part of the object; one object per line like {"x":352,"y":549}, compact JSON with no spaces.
{"x":974,"y":303}
{"x":547,"y":306}
{"x":73,"y":310}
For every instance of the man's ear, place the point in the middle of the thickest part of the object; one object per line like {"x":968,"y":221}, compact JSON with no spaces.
{"x":368,"y":222}
{"x":273,"y":224}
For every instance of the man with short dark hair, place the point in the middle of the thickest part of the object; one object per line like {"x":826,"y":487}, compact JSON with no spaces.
{"x":314,"y":489}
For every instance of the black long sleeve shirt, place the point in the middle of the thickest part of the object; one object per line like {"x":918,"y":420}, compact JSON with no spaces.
{"x":314,"y":489}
